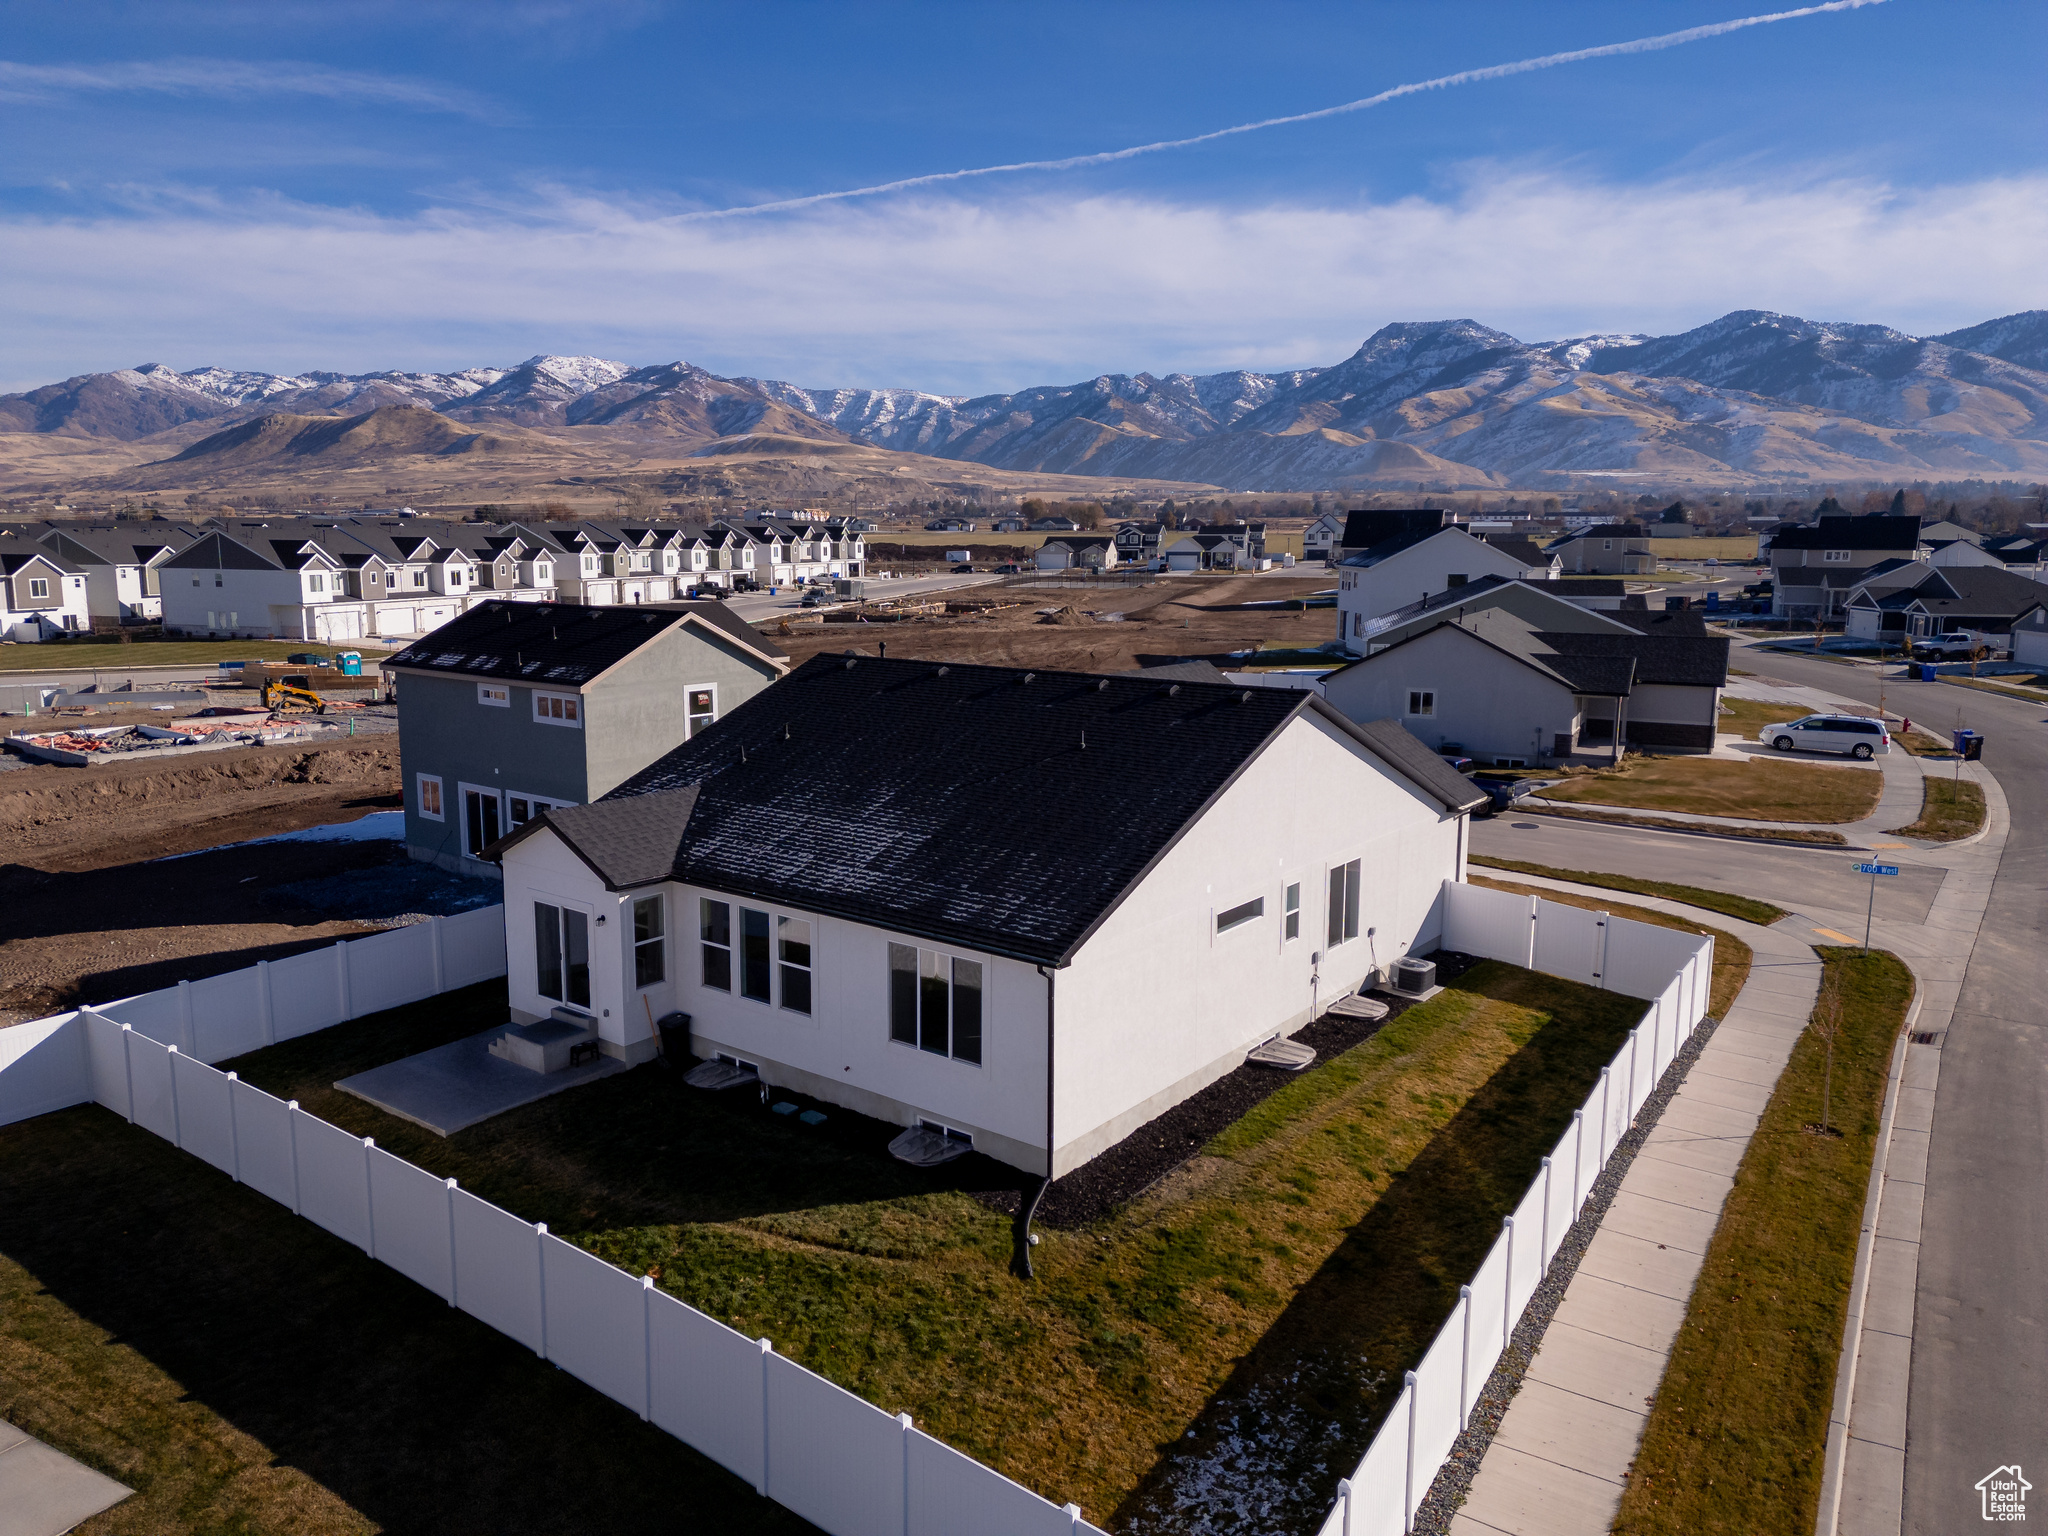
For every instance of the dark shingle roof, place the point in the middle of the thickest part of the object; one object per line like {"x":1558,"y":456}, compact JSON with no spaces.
{"x":1528,"y":551}
{"x":1193,"y":670}
{"x":1864,"y":533}
{"x":984,"y":806}
{"x":563,"y":643}
{"x":625,"y":842}
{"x":1683,"y":660}
{"x":1362,"y":530}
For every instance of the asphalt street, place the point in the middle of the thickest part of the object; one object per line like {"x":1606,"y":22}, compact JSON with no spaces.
{"x":1978,"y":1394}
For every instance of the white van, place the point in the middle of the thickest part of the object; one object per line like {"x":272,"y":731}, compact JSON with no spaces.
{"x":1857,"y":735}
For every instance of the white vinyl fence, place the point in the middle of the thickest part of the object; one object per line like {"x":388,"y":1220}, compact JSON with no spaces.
{"x":1674,"y":971}
{"x":840,"y":1463}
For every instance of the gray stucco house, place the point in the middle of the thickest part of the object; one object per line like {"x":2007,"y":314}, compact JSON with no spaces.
{"x":516,"y":707}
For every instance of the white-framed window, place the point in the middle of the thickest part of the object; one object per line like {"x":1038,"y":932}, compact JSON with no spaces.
{"x":650,"y":942}
{"x":497,"y":695}
{"x":1344,"y":892}
{"x":419,"y":580}
{"x":1834,"y":557}
{"x":39,"y":586}
{"x":1290,"y":911}
{"x":558,"y":709}
{"x":935,"y":1002}
{"x":375,"y":579}
{"x":793,"y":962}
{"x":427,"y":797}
{"x":1244,"y":912}
{"x":757,"y":967}
{"x":1607,"y":543}
{"x":483,"y":818}
{"x":561,"y":954}
{"x":1421,"y":702}
{"x":316,"y":581}
{"x":454,"y":575}
{"x":714,"y":932}
{"x":702,"y":706}
{"x":542,"y":571}
{"x":521,"y":808}
{"x":590,"y":565}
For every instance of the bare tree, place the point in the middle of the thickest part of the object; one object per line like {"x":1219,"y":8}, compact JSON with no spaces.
{"x":1827,"y":1025}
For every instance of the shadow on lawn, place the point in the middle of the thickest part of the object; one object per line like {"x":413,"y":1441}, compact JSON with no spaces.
{"x":416,"y":1415}
{"x":639,"y":1149}
{"x":1303,"y":1405}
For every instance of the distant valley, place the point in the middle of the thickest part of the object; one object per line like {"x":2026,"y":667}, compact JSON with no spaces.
{"x":1752,"y":397}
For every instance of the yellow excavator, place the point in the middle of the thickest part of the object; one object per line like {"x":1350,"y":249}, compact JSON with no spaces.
{"x":290,"y":696}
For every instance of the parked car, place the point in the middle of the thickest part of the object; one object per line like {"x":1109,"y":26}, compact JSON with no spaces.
{"x":1857,"y":736}
{"x":963,"y":570}
{"x":1453,"y":753}
{"x":1012,"y":569}
{"x":1501,"y":793}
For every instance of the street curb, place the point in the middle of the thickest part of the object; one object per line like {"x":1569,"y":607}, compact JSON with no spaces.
{"x":1682,"y":831}
{"x":1828,"y":1520}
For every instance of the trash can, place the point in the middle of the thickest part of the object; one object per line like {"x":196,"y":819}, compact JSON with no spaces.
{"x":675,"y":1036}
{"x":1969,"y":745}
{"x":1926,"y":671}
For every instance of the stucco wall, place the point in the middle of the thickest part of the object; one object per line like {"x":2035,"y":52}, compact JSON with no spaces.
{"x":639,"y":709}
{"x":1492,"y":705}
{"x":1157,"y":1004}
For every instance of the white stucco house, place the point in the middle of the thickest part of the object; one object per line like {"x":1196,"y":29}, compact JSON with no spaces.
{"x":1033,"y":909}
{"x":1416,"y":563}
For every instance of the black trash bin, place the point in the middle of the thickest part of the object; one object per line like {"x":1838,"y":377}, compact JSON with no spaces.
{"x":675,"y":1036}
{"x":1971,"y":745}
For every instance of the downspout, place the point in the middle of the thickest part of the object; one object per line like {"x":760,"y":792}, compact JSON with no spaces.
{"x":1027,"y":1209}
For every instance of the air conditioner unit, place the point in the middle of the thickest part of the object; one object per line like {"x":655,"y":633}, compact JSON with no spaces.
{"x":1414,"y":976}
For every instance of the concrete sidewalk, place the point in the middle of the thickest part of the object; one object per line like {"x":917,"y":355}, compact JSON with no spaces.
{"x":1558,"y":1463}
{"x":43,"y":1492}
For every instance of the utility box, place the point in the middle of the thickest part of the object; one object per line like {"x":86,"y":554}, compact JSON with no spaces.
{"x":850,"y":589}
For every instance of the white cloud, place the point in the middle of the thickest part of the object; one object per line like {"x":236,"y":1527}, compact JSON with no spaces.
{"x":232,"y":79}
{"x":964,"y":297}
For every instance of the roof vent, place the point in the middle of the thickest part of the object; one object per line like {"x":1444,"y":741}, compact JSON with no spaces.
{"x":942,"y":672}
{"x":1102,"y":686}
{"x":1030,"y":677}
{"x":1172,"y":689}
{"x":1245,"y":697}
{"x":849,"y":663}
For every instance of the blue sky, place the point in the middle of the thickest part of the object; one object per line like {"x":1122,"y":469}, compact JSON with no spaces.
{"x":355,"y":186}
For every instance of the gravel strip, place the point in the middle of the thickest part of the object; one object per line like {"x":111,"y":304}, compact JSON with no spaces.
{"x":1454,"y":1480}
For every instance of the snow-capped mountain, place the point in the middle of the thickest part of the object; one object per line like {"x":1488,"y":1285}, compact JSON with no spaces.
{"x":1752,"y":394}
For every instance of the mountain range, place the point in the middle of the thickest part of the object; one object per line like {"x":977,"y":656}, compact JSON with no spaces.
{"x":1753,"y":396}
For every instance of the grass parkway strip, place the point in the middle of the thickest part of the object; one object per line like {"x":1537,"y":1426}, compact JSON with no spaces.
{"x":1949,"y":809}
{"x":1738,"y":1434}
{"x":1819,"y":838}
{"x":1747,"y":908}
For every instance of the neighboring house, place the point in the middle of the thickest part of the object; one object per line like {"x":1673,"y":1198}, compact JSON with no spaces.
{"x":1319,"y":540}
{"x":952,"y":525}
{"x":1370,"y":530}
{"x":1815,"y":567}
{"x":1093,"y":552}
{"x":1419,"y":562}
{"x":263,"y":580}
{"x":2030,"y":637}
{"x":120,"y":564}
{"x":2021,"y":555}
{"x":1054,"y":525}
{"x":1607,"y":549}
{"x":1546,"y":605}
{"x":1938,"y":536}
{"x":1944,"y":598}
{"x":1138,"y":543}
{"x":1035,"y":910}
{"x":513,"y":708}
{"x":1504,"y":689}
{"x":41,"y":592}
{"x":1007,"y":525}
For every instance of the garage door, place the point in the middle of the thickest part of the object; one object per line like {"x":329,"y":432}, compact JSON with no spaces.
{"x":435,"y":615}
{"x":339,"y":624}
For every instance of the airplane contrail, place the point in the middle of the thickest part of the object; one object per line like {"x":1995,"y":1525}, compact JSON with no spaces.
{"x":1441,"y":82}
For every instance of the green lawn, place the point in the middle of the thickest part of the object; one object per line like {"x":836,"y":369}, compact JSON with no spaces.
{"x":1737,"y":1435}
{"x":110,"y":655}
{"x":1342,"y":1214}
{"x":1760,"y":789}
{"x":1768,"y":834}
{"x":1949,"y":809}
{"x":1747,"y":908}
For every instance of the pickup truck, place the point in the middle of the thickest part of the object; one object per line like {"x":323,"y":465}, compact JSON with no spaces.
{"x":1961,"y":646}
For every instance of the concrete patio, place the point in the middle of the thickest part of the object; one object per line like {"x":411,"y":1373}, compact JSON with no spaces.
{"x":462,"y":1084}
{"x":43,"y":1492}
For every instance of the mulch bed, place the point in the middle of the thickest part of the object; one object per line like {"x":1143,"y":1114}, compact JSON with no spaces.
{"x":1160,"y":1146}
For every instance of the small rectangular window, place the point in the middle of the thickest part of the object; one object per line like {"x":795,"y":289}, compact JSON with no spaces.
{"x":316,"y":582}
{"x":1242,"y":913}
{"x":1421,"y":703}
{"x":703,"y":708}
{"x":419,"y":578}
{"x":39,"y":586}
{"x":495,"y":694}
{"x":903,"y":993}
{"x":934,"y":1002}
{"x":793,"y":956}
{"x":1343,"y":924}
{"x":650,"y":943}
{"x":547,"y":949}
{"x":715,"y":927}
{"x":429,"y":798}
{"x":1292,"y":907}
{"x":754,"y":960}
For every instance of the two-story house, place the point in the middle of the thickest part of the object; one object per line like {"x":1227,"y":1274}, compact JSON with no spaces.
{"x":120,"y":563}
{"x":514,"y":707}
{"x":1606,"y":549}
{"x":258,"y":580}
{"x":41,"y":592}
{"x":1815,"y":567}
{"x":1418,"y":561}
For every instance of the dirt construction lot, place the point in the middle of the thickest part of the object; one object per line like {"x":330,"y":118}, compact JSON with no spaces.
{"x":1107,"y":628}
{"x":86,"y":917}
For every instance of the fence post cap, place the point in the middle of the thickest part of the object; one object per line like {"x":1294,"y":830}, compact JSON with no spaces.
{"x":647,"y":1282}
{"x":1073,"y":1511}
{"x":767,"y":1346}
{"x":234,"y":1077}
{"x":450,"y":1183}
{"x":541,"y":1228}
{"x":1507,"y":1223}
{"x":126,"y":1028}
{"x":1578,"y":1114}
{"x":172,"y":1049}
{"x":903,"y":1419}
{"x":371,"y":1141}
{"x":1407,"y":1378}
{"x":1464,"y":1293}
{"x":291,"y":1104}
{"x":1344,"y":1488}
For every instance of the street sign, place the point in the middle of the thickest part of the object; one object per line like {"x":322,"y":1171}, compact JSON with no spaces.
{"x":1877,"y":869}
{"x":1870,"y":911}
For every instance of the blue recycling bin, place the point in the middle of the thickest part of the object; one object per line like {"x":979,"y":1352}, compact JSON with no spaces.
{"x":1926,"y":671}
